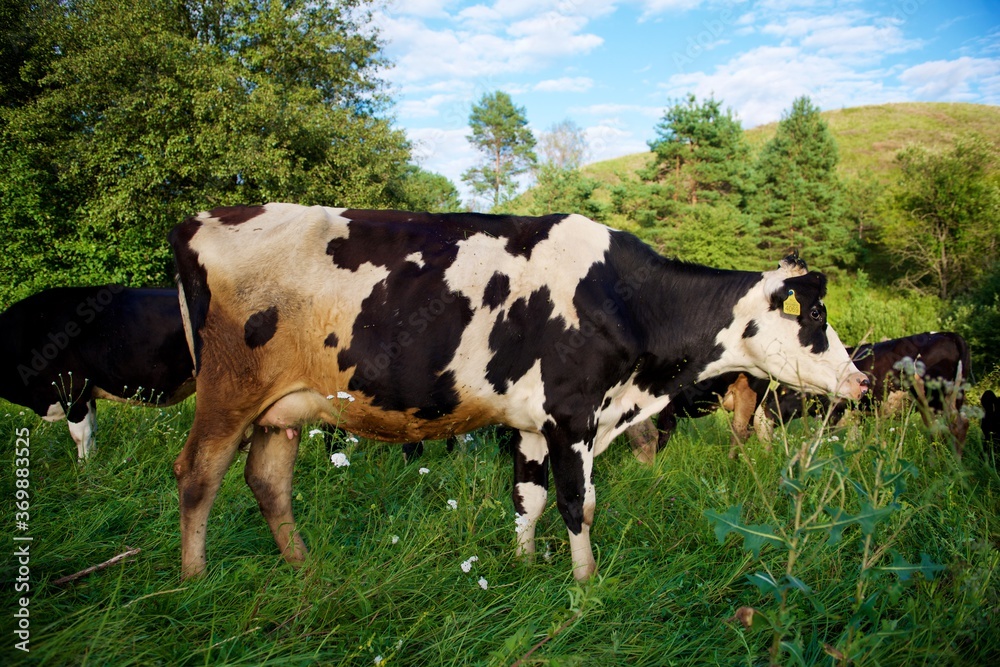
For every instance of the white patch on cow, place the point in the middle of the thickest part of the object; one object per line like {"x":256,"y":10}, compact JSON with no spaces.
{"x":533,"y":497}
{"x":580,"y":548}
{"x":417,"y":258}
{"x":775,"y":351}
{"x":624,"y":397}
{"x":525,"y":400}
{"x":83,"y":433}
{"x":558,"y":263}
{"x":55,"y":413}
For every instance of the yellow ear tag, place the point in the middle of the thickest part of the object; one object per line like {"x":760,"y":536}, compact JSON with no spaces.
{"x":792,"y":306}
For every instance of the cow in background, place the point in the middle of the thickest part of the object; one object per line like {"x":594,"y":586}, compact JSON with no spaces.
{"x":67,"y":346}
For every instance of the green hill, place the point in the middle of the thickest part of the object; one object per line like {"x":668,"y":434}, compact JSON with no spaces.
{"x":868,"y":137}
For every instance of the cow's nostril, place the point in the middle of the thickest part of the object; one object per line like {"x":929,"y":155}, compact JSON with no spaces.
{"x":865,"y":382}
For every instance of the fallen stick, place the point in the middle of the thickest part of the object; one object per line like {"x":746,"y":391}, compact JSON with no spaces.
{"x":94,"y":568}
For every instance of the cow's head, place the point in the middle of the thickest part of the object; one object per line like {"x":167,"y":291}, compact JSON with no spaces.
{"x":792,"y":342}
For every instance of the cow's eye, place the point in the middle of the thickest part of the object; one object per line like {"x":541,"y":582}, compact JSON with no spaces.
{"x":816,"y":314}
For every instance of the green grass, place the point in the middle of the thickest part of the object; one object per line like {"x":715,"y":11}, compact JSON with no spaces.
{"x":664,"y":591}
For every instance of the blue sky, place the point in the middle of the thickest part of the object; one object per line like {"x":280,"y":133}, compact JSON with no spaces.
{"x":613,"y":66}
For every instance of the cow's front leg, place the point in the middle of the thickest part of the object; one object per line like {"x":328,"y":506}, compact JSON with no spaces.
{"x":82,"y":420}
{"x":572,"y":469}
{"x":531,"y":487}
{"x":268,"y":473}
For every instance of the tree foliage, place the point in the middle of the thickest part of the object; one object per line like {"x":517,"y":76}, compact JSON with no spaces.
{"x":564,"y":146}
{"x":946,"y":231}
{"x":701,"y":154}
{"x":799,"y":196}
{"x":148,"y":111}
{"x":427,"y":191}
{"x":501,"y":134}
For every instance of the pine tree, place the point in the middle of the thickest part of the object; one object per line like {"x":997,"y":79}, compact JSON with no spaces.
{"x":500,"y":132}
{"x":799,"y":199}
{"x":701,"y":154}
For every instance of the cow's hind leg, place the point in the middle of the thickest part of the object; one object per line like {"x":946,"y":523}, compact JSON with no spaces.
{"x":268,"y":473}
{"x":531,"y":487}
{"x":199,"y":470}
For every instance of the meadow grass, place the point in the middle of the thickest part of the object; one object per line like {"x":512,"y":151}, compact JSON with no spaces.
{"x":384,"y":583}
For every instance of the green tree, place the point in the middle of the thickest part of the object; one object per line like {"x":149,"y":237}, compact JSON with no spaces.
{"x":701,"y":154}
{"x":799,"y":197}
{"x":426,"y":191}
{"x":564,"y":145}
{"x":148,"y":111}
{"x":500,"y":132}
{"x":945,"y":232}
{"x":560,"y":190}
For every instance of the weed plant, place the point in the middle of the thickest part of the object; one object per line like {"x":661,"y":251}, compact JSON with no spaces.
{"x":880,"y":548}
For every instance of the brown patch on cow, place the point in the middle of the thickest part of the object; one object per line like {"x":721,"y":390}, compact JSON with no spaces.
{"x":235,"y":215}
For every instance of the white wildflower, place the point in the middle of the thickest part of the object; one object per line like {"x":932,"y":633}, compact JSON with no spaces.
{"x":314,"y":432}
{"x":339,"y":459}
{"x":345,"y":395}
{"x":453,"y":504}
{"x":834,"y":438}
{"x":424,"y":471}
{"x":351,"y":438}
{"x":467,"y":564}
{"x":483,"y":583}
{"x":467,"y":437}
{"x":378,"y":660}
{"x":892,"y":429}
{"x":399,"y":644}
{"x":395,"y":539}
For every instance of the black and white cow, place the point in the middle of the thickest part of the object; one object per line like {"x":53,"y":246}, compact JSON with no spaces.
{"x":404,"y":326}
{"x":67,"y":346}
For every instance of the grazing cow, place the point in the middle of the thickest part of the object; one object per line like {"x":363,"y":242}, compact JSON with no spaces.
{"x":67,"y":346}
{"x":404,"y":326}
{"x":735,"y":392}
{"x":991,"y":422}
{"x":945,"y":356}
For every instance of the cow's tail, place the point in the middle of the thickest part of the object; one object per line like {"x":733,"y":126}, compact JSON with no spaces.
{"x":192,"y":286}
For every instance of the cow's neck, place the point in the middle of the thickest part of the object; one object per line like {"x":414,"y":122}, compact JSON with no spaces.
{"x":682,"y":308}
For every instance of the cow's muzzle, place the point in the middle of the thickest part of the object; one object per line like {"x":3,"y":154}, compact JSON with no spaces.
{"x":856,"y":385}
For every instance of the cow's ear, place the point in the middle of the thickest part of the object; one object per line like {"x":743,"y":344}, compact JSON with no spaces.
{"x":806,"y":290}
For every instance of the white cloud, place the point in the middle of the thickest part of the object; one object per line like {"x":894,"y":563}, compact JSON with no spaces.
{"x":609,"y":140}
{"x":421,"y":8}
{"x":566,"y":84}
{"x":761,"y":83}
{"x":956,"y":80}
{"x":614,"y":109}
{"x":848,"y":35}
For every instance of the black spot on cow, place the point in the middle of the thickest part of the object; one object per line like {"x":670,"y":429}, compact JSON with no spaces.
{"x":497,"y":290}
{"x":628,"y":415}
{"x":751,"y":329}
{"x":406,"y":334}
{"x":235,"y":215}
{"x":260,"y":327}
{"x":519,"y":336}
{"x":331,"y":340}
